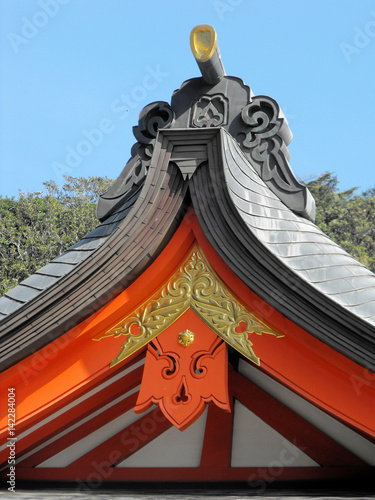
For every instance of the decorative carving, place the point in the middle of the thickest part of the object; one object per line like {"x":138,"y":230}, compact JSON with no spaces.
{"x":197,"y":286}
{"x":210,"y":111}
{"x":266,"y":135}
{"x":181,"y":381}
{"x":257,"y":123}
{"x":186,"y":338}
{"x":152,"y":118}
{"x":264,"y":139}
{"x":265,"y":120}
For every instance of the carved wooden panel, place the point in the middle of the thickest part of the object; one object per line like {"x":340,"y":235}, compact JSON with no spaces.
{"x":196,"y":286}
{"x":184,"y":370}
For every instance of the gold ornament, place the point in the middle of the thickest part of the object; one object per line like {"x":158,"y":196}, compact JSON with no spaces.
{"x":194,"y":285}
{"x":186,"y":338}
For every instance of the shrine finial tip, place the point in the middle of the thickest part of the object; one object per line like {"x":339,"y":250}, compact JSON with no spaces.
{"x":203,"y":43}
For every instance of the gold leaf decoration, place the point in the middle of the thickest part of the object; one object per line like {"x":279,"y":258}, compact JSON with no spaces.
{"x":194,"y":285}
{"x":186,"y":338}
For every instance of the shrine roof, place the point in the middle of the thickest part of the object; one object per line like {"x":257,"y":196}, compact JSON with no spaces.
{"x":223,"y":150}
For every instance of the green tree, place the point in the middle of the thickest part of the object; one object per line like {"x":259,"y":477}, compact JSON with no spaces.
{"x":38,"y":226}
{"x":346,"y":217}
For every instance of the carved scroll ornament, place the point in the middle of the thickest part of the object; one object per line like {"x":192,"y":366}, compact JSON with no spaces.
{"x":153,"y":117}
{"x":181,"y":379}
{"x":264,"y":139}
{"x":194,"y":285}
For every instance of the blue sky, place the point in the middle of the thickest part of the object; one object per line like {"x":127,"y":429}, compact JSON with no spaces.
{"x":72,"y":67}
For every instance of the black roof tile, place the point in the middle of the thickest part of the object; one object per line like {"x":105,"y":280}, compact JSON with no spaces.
{"x":40,"y":281}
{"x":88,"y":243}
{"x":8,"y":305}
{"x":56,"y":269}
{"x":72,"y":256}
{"x":22,"y":293}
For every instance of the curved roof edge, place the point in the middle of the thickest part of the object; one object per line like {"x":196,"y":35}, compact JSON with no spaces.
{"x":248,"y":226}
{"x":136,"y":240}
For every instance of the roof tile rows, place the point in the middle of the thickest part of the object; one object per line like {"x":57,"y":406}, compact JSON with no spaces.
{"x":298,"y":242}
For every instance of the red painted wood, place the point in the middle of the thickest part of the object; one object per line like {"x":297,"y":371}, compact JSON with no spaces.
{"x":91,"y":478}
{"x":297,"y":355}
{"x":74,"y":415}
{"x":217,"y":443}
{"x":171,"y":379}
{"x":340,"y":387}
{"x":126,"y":442}
{"x":64,"y":399}
{"x":80,"y":432}
{"x":317,"y":445}
{"x":73,"y":363}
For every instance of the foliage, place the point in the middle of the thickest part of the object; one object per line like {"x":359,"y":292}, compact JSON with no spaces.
{"x":347,"y":218}
{"x":37,"y":227}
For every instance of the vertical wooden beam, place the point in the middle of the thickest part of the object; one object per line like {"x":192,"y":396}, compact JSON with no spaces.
{"x":217,"y":443}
